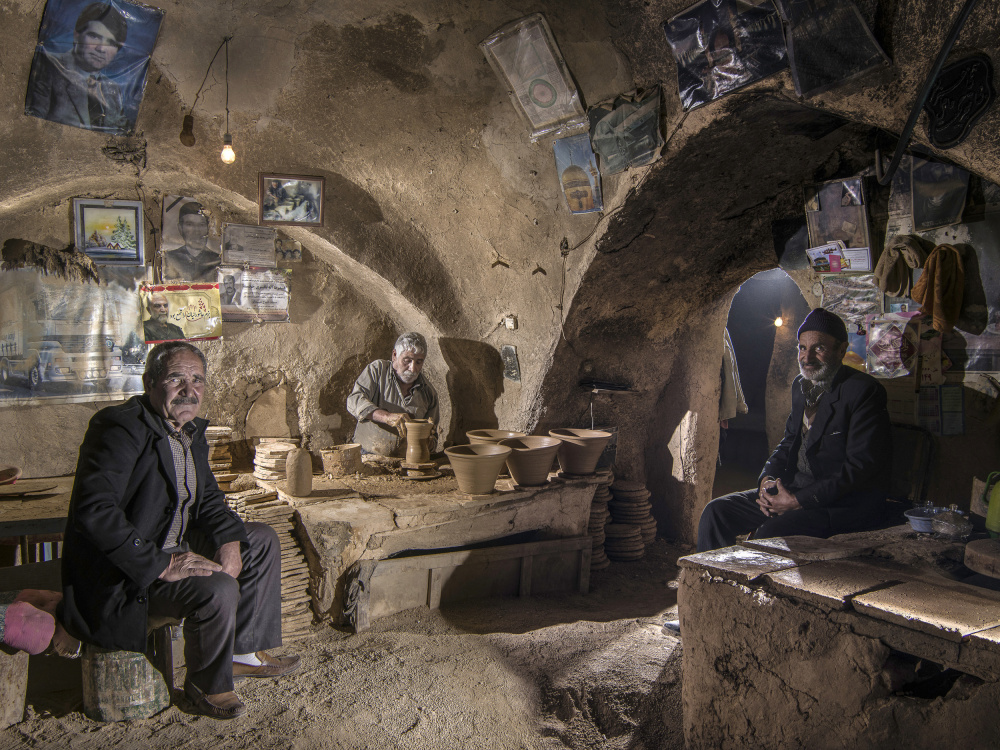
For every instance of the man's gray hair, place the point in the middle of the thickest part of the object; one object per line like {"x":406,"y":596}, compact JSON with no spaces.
{"x":156,"y":360}
{"x":411,"y":342}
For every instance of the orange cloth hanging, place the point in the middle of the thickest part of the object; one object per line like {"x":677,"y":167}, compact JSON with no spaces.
{"x":941,"y":286}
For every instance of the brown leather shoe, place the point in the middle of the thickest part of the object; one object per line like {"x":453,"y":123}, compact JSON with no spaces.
{"x":270,"y":666}
{"x":215,"y":705}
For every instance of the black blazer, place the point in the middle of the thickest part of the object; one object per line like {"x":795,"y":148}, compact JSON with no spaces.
{"x":849,"y":448}
{"x":121,"y":508}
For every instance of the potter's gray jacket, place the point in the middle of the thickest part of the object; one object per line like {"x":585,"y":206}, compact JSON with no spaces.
{"x":849,"y":447}
{"x":122,"y":504}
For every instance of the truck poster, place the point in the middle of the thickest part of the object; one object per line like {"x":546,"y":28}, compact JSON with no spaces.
{"x":66,"y":341}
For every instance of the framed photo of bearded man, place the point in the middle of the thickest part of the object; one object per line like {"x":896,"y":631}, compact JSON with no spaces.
{"x":90,"y":63}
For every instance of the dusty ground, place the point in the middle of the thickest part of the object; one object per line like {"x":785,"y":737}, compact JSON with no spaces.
{"x":573,"y":671}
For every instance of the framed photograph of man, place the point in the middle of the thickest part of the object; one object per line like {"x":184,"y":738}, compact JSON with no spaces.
{"x":191,"y":250}
{"x":291,"y":200}
{"x":110,"y":232}
{"x":90,"y":63}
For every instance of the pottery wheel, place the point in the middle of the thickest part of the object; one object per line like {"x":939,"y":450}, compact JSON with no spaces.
{"x":418,"y":477}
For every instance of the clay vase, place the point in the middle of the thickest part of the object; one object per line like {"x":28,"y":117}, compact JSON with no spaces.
{"x":342,"y":460}
{"x":531,"y":458}
{"x":418,"y":433}
{"x":477,"y":466}
{"x":580,"y":449}
{"x":491,"y":436}
{"x":298,"y":473}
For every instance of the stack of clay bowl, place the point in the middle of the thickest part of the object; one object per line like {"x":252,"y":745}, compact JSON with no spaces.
{"x":492,"y":437}
{"x":531,"y":458}
{"x":269,"y":457}
{"x":220,"y":460}
{"x":477,"y":466}
{"x":623,"y":542}
{"x":599,"y":516}
{"x":631,"y":506}
{"x":580,"y":449}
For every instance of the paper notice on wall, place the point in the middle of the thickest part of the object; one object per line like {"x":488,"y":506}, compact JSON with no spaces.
{"x":255,"y":294}
{"x":246,"y":244}
{"x":833,"y":257}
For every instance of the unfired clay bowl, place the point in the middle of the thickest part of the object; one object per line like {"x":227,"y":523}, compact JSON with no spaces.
{"x":491,"y":436}
{"x":477,"y":466}
{"x":580,"y":448}
{"x":531,"y":458}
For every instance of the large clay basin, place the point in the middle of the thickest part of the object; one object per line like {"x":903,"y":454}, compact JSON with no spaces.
{"x":477,"y":466}
{"x":531,"y":458}
{"x":580,"y":448}
{"x":491,"y":436}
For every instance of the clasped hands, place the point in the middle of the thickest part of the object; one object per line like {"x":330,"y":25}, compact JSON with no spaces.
{"x":186,"y":564}
{"x":776,"y":501}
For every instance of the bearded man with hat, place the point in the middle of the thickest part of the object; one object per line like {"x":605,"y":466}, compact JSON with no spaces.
{"x":830,"y":472}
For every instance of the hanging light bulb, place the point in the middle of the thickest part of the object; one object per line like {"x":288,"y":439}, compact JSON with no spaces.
{"x":778,"y":322}
{"x":228,"y":155}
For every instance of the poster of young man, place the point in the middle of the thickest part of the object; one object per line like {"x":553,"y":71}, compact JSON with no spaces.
{"x":90,"y":63}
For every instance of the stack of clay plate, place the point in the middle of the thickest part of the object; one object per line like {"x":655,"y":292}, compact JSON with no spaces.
{"x":269,"y":458}
{"x":220,"y":460}
{"x":264,"y":506}
{"x":599,"y":516}
{"x":631,"y":505}
{"x":623,"y":542}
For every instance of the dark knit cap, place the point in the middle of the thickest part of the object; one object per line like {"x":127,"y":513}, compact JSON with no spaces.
{"x":825,"y":322}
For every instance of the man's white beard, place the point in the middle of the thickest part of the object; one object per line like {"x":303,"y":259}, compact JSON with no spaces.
{"x":825,"y":372}
{"x":408,"y":377}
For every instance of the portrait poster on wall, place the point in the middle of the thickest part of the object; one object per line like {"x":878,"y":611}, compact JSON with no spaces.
{"x":64,"y":341}
{"x":723,"y":45}
{"x":90,"y":63}
{"x":579,"y":178}
{"x":176,"y":312}
{"x":525,"y":57}
{"x":192,"y":248}
{"x":255,"y":294}
{"x":110,"y":232}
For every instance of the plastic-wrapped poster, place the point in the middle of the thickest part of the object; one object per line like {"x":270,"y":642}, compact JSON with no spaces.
{"x":836,"y":213}
{"x":525,"y":57}
{"x":723,"y":45}
{"x":938,"y":194}
{"x":578,"y":175}
{"x":176,"y":312}
{"x":191,"y":245}
{"x":828,"y":43}
{"x":255,"y":294}
{"x":893,"y":344}
{"x":852,"y":297}
{"x":627,"y":133}
{"x":90,"y":63}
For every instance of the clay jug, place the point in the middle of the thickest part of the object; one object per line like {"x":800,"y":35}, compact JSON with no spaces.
{"x":418,"y":433}
{"x":477,"y":466}
{"x":531,"y":458}
{"x":299,"y":473}
{"x":580,"y":449}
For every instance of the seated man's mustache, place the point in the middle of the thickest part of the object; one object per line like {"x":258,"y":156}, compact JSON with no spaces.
{"x":181,"y":400}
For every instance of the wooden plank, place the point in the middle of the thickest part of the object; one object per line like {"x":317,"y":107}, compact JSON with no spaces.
{"x":434,"y":583}
{"x":526,"y":565}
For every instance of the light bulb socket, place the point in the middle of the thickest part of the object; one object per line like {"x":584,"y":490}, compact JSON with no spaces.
{"x":228,"y":155}
{"x":187,"y":130}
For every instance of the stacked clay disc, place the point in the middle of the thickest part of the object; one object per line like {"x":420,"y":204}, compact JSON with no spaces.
{"x":599,"y":516}
{"x":623,"y":542}
{"x":220,"y":460}
{"x":269,"y":459}
{"x":631,"y":505}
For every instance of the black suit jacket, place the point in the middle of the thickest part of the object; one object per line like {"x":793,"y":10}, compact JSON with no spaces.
{"x":121,"y":508}
{"x":849,"y":447}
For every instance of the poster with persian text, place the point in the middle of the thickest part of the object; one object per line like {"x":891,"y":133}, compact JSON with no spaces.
{"x":179,"y":312}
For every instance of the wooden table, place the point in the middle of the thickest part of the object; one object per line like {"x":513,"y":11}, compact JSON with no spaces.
{"x":35,"y":512}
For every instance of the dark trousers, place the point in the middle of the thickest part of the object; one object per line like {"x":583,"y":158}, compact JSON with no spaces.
{"x":225,"y":615}
{"x":728,"y":516}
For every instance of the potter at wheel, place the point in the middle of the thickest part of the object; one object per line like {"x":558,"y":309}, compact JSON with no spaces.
{"x":390,"y":391}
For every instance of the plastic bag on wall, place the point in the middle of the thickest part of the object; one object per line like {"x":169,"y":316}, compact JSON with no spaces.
{"x":719,"y":50}
{"x":627,"y":132}
{"x":893,"y":345}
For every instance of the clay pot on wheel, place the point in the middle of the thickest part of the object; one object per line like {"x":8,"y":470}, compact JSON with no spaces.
{"x":418,"y":432}
{"x":477,"y":466}
{"x":531,"y":458}
{"x":580,"y":448}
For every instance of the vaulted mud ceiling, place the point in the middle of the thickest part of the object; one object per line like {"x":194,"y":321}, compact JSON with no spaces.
{"x":442,"y":216}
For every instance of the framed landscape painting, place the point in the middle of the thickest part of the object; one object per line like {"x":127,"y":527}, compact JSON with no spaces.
{"x":109,"y":231}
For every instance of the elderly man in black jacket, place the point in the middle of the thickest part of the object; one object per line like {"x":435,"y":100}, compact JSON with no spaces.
{"x":149,"y":533}
{"x":830,"y":472}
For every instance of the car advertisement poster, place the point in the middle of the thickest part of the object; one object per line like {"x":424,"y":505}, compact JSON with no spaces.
{"x":65,"y":341}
